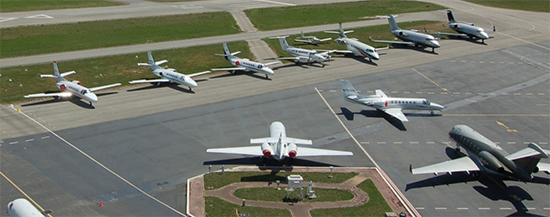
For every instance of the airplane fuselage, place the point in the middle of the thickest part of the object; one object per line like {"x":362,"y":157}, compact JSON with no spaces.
{"x":358,"y":48}
{"x":77,"y":90}
{"x":174,"y":76}
{"x":309,"y":55}
{"x":250,"y":65}
{"x":486,"y":154}
{"x":470,"y":30}
{"x":22,"y":208}
{"x":416,"y":37}
{"x":402,"y":103}
{"x":279,"y":150}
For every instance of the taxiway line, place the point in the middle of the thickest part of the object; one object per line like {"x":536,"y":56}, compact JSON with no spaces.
{"x":25,"y":194}
{"x":103,"y":166}
{"x":406,"y":204}
{"x":426,"y":77}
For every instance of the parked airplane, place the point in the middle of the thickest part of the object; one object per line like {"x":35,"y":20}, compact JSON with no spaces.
{"x":70,"y":88}
{"x":465,"y":29}
{"x":311,"y":39}
{"x":167,"y":75}
{"x":409,"y":37}
{"x":279,"y":146}
{"x":302,"y":55}
{"x":389,"y":105}
{"x":354,"y":46}
{"x":22,"y":208}
{"x":244,"y":64}
{"x":486,"y":156}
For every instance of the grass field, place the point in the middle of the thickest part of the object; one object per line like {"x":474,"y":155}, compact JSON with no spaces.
{"x":376,"y":206}
{"x":527,"y":5}
{"x":31,"y":5}
{"x":215,"y":207}
{"x":218,"y":180}
{"x":271,"y":194}
{"x":32,"y":40}
{"x":362,"y":34}
{"x":308,"y":15}
{"x":100,"y":71}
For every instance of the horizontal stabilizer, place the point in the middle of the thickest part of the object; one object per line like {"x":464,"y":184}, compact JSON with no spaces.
{"x":104,"y":87}
{"x":144,"y":64}
{"x":264,"y":140}
{"x":67,"y":73}
{"x":297,"y":141}
{"x":161,"y":62}
{"x":277,"y":37}
{"x":325,"y":39}
{"x":235,"y":53}
{"x":48,"y":76}
{"x":381,"y":94}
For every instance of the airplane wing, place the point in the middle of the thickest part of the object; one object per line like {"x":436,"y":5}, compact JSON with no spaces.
{"x":60,"y":94}
{"x":342,"y":51}
{"x":264,"y":140}
{"x":149,"y":81}
{"x":381,"y":94}
{"x":463,"y":164}
{"x":447,"y":33}
{"x":229,"y":69}
{"x":67,"y":73}
{"x":392,"y":42}
{"x":305,"y":41}
{"x":396,"y":113}
{"x":287,"y":58}
{"x":104,"y":87}
{"x":325,"y":39}
{"x":272,"y":63}
{"x":246,"y":150}
{"x":310,"y":152}
{"x":199,"y":73}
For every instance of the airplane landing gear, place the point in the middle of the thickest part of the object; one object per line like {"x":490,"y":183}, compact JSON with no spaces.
{"x":90,"y":103}
{"x":432,"y":112}
{"x":457,"y":149}
{"x":190,"y":89}
{"x":323,"y":65}
{"x":266,"y":77}
{"x":433,"y":50}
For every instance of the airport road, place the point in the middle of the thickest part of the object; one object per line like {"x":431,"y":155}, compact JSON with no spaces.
{"x":158,"y":151}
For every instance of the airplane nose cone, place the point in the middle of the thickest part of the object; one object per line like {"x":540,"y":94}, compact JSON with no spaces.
{"x":439,"y":107}
{"x":192,"y":83}
{"x":483,"y":35}
{"x":91,"y":97}
{"x":269,"y":71}
{"x":375,"y":56}
{"x":436,"y":44}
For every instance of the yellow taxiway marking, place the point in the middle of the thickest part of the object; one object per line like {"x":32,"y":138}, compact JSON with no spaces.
{"x":448,"y":144}
{"x":426,"y":77}
{"x":507,"y":128}
{"x":25,"y":194}
{"x":499,"y":115}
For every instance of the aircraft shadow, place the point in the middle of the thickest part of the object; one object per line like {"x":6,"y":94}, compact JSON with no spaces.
{"x":419,"y":49}
{"x":241,"y":72}
{"x":472,"y":40}
{"x":174,"y":86}
{"x":259,"y":161}
{"x":359,"y":59}
{"x":304,"y":66}
{"x":75,"y":100}
{"x":349,"y":115}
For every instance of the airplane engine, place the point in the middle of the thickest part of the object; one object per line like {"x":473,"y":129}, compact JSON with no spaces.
{"x":340,"y":41}
{"x":401,"y":33}
{"x":318,"y":58}
{"x":380,"y":103}
{"x":77,"y":82}
{"x":490,"y":161}
{"x":292,"y":150}
{"x":266,"y":150}
{"x":62,"y":87}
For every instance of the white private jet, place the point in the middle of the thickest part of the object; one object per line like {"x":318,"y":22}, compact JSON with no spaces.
{"x":245,"y":64}
{"x":464,"y":29}
{"x":70,"y":88}
{"x":311,"y":39}
{"x":21,"y":207}
{"x":302,"y":55}
{"x":390,"y":105}
{"x":409,"y":37}
{"x":279,"y":146}
{"x":486,"y":156}
{"x":354,"y":46}
{"x":167,"y":75}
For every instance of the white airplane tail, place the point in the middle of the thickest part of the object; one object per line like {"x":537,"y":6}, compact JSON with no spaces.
{"x":347,"y":88}
{"x":58,"y":76}
{"x":393,"y":23}
{"x":450,"y":16}
{"x":150,"y":58}
{"x":342,"y":33}
{"x":283,"y":42}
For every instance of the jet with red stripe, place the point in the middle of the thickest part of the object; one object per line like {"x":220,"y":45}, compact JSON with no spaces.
{"x":390,"y":105}
{"x":245,"y":64}
{"x":278,"y":146}
{"x":70,"y":88}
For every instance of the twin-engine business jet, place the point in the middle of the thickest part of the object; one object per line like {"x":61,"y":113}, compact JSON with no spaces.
{"x":354,"y":46}
{"x":72,"y":88}
{"x":279,"y":146}
{"x":23,"y":208}
{"x":465,"y":29}
{"x":311,"y":39}
{"x":409,"y":37}
{"x":484,"y":155}
{"x":167,"y":75}
{"x":302,"y":55}
{"x":389,"y":105}
{"x":245,"y":64}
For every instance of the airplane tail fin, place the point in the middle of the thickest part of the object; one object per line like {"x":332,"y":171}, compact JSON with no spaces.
{"x":226,"y":49}
{"x":393,"y":23}
{"x":450,"y":16}
{"x":347,"y":88}
{"x":529,"y":157}
{"x":302,"y":33}
{"x":58,"y":76}
{"x":150,"y":57}
{"x":56,"y":69}
{"x":283,"y":42}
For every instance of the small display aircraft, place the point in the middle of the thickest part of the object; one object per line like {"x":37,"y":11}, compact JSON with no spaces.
{"x":311,"y":39}
{"x":245,"y":64}
{"x":409,"y":37}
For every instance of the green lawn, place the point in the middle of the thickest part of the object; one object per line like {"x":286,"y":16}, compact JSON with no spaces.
{"x":308,"y":15}
{"x":362,"y":34}
{"x":272,"y":194}
{"x":218,"y":180}
{"x":376,"y":206}
{"x":527,"y":5}
{"x":32,"y":40}
{"x":106,"y":70}
{"x":31,"y":5}
{"x":215,"y":206}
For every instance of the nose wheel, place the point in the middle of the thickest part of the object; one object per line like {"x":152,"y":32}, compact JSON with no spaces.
{"x":432,"y":112}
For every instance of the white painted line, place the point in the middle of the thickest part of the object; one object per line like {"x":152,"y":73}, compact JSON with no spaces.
{"x":103,"y":166}
{"x":441,"y":208}
{"x":4,"y":19}
{"x":366,"y":143}
{"x":526,"y":143}
{"x":505,"y":94}
{"x":380,"y":143}
{"x":510,"y":62}
{"x":418,"y":92}
{"x":431,"y":92}
{"x":531,"y":208}
{"x":445,"y":93}
{"x":40,"y":16}
{"x":29,"y":140}
{"x":394,"y":92}
{"x":462,"y":61}
{"x":406,"y":92}
{"x":492,"y":94}
{"x":497,"y":143}
{"x":546,"y":208}
{"x":517,"y":94}
{"x":505,"y":208}
{"x":456,"y":93}
{"x":358,"y":91}
{"x":422,"y":208}
{"x":462,"y":208}
{"x":453,"y":61}
{"x":414,"y":142}
{"x":468,"y":93}
{"x":332,"y":91}
{"x":511,"y":143}
{"x":543,"y":143}
{"x":484,"y":208}
{"x":523,"y":40}
{"x":45,"y":137}
{"x":11,"y":143}
{"x":540,"y":94}
{"x":397,"y":142}
{"x":320,"y":90}
{"x":274,"y":2}
{"x":491,"y":61}
{"x":430,"y":142}
{"x":529,"y":94}
{"x":472,"y":61}
{"x":481,"y":61}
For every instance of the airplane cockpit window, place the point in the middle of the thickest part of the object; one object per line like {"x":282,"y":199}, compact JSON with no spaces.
{"x":369,"y":50}
{"x":260,"y":66}
{"x":84,"y":91}
{"x":426,"y":102}
{"x":10,"y":206}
